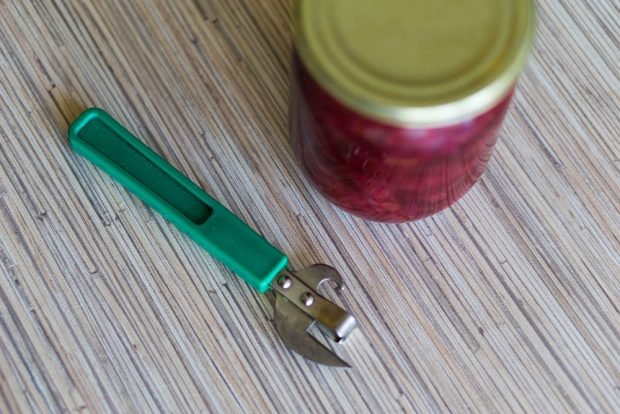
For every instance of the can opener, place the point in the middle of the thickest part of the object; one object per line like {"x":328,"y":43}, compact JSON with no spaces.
{"x":297,"y":305}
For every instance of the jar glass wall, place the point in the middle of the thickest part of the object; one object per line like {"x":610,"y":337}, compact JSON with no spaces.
{"x":384,"y":172}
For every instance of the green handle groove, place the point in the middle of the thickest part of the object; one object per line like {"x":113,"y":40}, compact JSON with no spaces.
{"x":99,"y":138}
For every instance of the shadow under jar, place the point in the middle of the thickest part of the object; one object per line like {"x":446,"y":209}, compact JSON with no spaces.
{"x":396,"y":105}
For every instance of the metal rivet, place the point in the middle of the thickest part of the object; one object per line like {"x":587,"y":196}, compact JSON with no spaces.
{"x":307,"y":299}
{"x":285,"y":282}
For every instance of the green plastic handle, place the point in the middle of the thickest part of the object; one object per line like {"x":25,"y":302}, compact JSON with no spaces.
{"x":107,"y":144}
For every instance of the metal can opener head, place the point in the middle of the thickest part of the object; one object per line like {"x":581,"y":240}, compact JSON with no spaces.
{"x":298,"y":307}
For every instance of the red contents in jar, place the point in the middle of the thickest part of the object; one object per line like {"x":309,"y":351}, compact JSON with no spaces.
{"x":383,"y":172}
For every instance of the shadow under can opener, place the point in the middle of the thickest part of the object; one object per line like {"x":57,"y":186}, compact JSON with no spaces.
{"x":297,"y":305}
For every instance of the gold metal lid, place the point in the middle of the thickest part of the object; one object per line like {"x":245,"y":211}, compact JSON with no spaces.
{"x":415,"y":62}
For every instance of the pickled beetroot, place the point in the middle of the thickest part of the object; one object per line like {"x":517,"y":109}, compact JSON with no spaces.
{"x":383,"y":172}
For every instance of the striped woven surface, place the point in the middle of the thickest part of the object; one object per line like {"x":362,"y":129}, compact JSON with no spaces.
{"x":507,"y":302}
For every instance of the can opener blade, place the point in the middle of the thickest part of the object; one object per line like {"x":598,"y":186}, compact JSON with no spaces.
{"x":294,"y":295}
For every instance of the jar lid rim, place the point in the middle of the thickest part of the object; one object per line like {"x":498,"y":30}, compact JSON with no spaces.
{"x":411,"y":62}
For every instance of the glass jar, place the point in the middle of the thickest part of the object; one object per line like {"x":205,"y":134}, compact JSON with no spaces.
{"x":396,"y":105}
